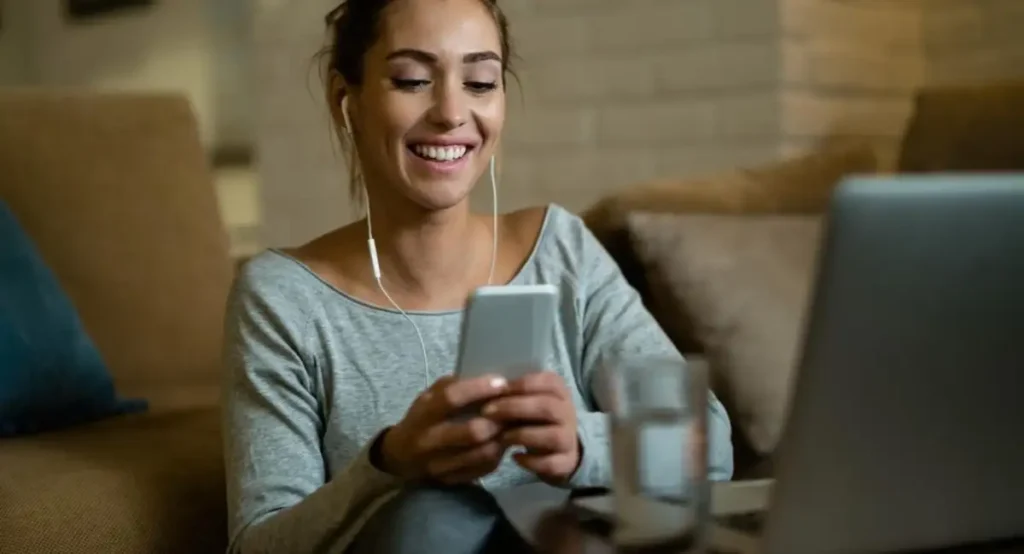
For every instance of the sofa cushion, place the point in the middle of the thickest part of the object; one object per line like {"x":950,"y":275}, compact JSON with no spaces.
{"x":741,"y":283}
{"x":148,"y":483}
{"x":115,"y":192}
{"x":966,"y":128}
{"x":799,"y":185}
{"x":51,"y":375}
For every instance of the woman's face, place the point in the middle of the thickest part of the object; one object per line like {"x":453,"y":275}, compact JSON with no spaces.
{"x":432,"y":104}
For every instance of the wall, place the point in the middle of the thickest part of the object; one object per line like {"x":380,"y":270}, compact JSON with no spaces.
{"x":974,"y":41}
{"x":166,"y":46}
{"x":196,"y":47}
{"x":851,"y":66}
{"x":850,"y":69}
{"x":619,"y":92}
{"x":15,"y":59}
{"x":302,"y":179}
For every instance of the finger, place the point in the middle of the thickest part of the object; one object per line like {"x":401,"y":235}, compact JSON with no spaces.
{"x":454,"y":464}
{"x":532,"y":408}
{"x":458,"y":435}
{"x":540,"y":439}
{"x":540,"y":382}
{"x":421,"y":405}
{"x":545,"y":465}
{"x":456,"y":394}
{"x":467,"y":476}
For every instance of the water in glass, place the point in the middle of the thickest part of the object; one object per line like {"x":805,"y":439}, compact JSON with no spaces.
{"x":659,"y":454}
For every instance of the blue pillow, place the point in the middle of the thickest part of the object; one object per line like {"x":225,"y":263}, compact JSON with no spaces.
{"x":51,"y":374}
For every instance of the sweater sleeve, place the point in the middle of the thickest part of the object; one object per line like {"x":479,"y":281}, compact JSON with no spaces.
{"x":280,"y":496}
{"x":617,"y":326}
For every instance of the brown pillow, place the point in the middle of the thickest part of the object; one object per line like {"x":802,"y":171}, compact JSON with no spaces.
{"x":966,"y":128}
{"x":799,"y":185}
{"x":740,"y":285}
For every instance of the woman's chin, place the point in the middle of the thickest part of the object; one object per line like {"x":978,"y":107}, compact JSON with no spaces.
{"x":439,"y":196}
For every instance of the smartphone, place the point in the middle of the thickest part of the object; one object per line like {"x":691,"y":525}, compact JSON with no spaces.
{"x":507,"y":330}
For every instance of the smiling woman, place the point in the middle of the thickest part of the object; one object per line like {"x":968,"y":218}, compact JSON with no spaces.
{"x":395,"y":79}
{"x":338,"y":398}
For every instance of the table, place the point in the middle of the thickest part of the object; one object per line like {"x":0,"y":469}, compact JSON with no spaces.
{"x":538,"y":513}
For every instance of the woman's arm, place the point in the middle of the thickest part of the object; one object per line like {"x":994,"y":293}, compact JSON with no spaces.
{"x":616,"y":325}
{"x":280,"y":496}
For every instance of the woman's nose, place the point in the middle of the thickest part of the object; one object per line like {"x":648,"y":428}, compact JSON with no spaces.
{"x":449,"y":110}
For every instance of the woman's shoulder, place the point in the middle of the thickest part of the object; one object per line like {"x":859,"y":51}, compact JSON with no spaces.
{"x":564,"y":236}
{"x":548,"y":225}
{"x":564,"y":246}
{"x":272,"y":281}
{"x":269,"y":269}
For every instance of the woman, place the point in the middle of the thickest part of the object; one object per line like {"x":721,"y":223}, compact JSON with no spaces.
{"x":336,"y":439}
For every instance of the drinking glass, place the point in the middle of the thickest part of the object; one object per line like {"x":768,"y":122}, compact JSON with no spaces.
{"x":659,"y":452}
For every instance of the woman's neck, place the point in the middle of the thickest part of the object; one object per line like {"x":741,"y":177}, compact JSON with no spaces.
{"x":430,"y":254}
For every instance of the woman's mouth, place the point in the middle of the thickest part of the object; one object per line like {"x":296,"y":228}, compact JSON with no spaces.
{"x":439,"y":153}
{"x":440,"y":159}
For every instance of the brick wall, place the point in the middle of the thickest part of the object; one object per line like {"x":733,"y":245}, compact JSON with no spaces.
{"x":617,"y":92}
{"x":850,"y":69}
{"x":302,"y":181}
{"x":15,"y":44}
{"x":974,"y":41}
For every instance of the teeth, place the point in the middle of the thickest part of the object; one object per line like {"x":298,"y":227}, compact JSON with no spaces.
{"x":440,"y":153}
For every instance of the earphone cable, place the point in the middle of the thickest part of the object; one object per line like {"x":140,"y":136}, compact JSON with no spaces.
{"x":372,"y":246}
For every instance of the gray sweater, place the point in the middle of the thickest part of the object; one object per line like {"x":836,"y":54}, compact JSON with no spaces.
{"x":312,"y":375}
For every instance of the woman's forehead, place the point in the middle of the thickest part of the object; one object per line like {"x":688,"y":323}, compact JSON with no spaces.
{"x":444,"y":28}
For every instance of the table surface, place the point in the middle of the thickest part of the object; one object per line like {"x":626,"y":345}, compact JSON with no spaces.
{"x":539,"y":514}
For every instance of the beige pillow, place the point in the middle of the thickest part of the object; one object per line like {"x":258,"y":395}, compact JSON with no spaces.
{"x":797,"y":185}
{"x":740,"y":285}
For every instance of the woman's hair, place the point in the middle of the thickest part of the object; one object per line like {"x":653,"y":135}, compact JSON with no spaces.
{"x":353,"y":28}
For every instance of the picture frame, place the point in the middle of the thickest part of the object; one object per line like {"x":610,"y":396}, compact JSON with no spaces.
{"x":88,"y":9}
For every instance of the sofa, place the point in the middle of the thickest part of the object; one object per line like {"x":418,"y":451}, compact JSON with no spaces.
{"x":725,"y":262}
{"x":116,"y":192}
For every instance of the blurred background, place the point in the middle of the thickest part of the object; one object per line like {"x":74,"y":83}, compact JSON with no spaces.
{"x":699,"y":139}
{"x":613,"y":93}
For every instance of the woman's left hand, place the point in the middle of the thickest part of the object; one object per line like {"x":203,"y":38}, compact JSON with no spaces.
{"x":540,"y":416}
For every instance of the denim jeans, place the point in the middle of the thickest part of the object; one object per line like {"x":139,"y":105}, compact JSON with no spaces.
{"x":429,"y":520}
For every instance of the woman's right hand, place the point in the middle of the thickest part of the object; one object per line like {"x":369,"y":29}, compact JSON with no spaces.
{"x":429,"y":444}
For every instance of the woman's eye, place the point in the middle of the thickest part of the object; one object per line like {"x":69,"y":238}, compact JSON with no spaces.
{"x":480,"y":86}
{"x":409,"y":84}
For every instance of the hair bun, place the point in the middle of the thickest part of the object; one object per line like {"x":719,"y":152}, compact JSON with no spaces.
{"x":333,"y":16}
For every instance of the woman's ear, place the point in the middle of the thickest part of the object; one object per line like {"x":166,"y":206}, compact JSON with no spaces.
{"x":336,"y":87}
{"x":337,"y":94}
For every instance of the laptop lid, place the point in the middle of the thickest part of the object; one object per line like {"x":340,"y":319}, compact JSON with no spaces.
{"x":906,"y":427}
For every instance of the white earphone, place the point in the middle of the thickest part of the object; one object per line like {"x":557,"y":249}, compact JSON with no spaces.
{"x":374,"y":262}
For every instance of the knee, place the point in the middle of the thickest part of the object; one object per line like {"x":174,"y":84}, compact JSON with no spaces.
{"x":429,"y":519}
{"x":464,"y":500}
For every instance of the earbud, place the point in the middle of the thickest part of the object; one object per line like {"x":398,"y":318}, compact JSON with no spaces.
{"x":345,"y":116}
{"x":371,"y":245}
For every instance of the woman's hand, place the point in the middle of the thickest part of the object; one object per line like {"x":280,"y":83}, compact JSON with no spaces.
{"x":429,"y":444}
{"x":538,"y":414}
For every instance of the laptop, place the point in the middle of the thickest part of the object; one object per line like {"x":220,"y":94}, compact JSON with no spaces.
{"x":906,"y":423}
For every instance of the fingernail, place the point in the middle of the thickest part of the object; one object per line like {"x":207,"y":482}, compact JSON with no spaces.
{"x":498,"y":383}
{"x":490,"y":409}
